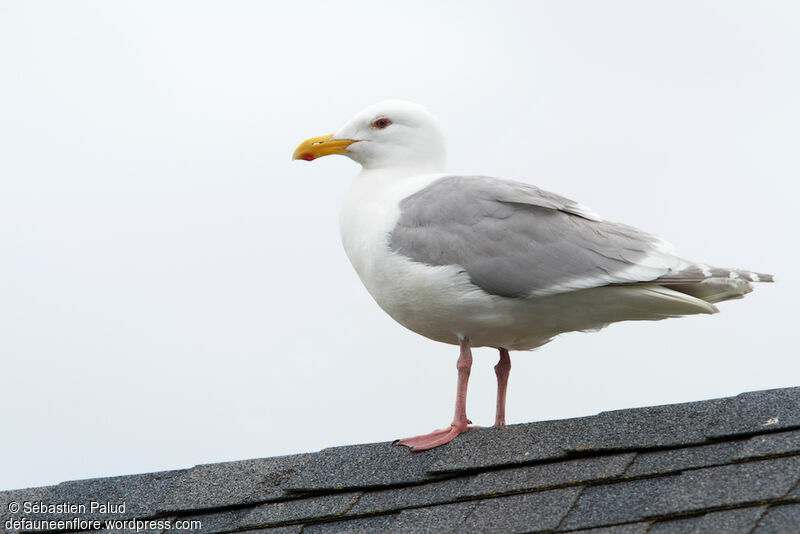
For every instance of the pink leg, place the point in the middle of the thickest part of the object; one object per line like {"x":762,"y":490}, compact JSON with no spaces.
{"x":502,"y":369}
{"x":460,"y":422}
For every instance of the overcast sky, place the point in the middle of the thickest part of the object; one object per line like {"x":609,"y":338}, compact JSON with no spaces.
{"x":173,"y":290}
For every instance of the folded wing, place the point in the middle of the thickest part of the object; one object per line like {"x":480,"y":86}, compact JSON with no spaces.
{"x":516,"y":240}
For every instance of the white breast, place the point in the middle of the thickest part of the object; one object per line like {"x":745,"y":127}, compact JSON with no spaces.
{"x":438,"y":302}
{"x":369,"y":212}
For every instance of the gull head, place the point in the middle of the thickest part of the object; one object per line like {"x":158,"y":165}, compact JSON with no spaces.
{"x":393,"y":134}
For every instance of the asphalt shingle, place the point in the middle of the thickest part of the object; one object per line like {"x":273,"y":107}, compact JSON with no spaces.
{"x":656,"y":426}
{"x":729,"y":485}
{"x":672,"y":460}
{"x":361,"y":466}
{"x":784,"y":519}
{"x":410,"y":497}
{"x":529,"y":512}
{"x":630,"y":528}
{"x":231,"y":483}
{"x":434,"y":519}
{"x":277,"y":513}
{"x":771,"y":444}
{"x":622,"y":502}
{"x":367,"y":525}
{"x":737,"y":521}
{"x":758,"y":411}
{"x":552,"y":474}
{"x":292,"y":529}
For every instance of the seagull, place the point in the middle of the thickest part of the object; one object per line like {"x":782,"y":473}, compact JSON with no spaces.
{"x":477,"y":261}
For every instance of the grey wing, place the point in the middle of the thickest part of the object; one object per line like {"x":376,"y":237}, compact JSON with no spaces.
{"x":515,"y":240}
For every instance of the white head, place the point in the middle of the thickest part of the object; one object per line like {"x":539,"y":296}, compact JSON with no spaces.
{"x":391,"y":134}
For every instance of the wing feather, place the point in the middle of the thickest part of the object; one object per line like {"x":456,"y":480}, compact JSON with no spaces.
{"x":516,"y":240}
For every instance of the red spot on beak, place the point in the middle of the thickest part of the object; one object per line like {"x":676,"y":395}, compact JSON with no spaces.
{"x":308,"y":156}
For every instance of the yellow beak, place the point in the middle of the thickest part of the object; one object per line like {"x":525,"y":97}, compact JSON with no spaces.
{"x":316,"y":147}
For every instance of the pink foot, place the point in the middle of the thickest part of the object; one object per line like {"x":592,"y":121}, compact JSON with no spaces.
{"x":460,"y":422}
{"x":435,"y":438}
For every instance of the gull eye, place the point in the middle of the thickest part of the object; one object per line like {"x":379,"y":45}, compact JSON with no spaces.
{"x":380,"y":124}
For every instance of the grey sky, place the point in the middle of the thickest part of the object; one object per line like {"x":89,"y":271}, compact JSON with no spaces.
{"x":172,"y":287}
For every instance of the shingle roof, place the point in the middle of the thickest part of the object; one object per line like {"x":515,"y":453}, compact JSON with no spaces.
{"x":725,"y":465}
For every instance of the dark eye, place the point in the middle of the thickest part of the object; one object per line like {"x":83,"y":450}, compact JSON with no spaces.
{"x":381,"y":123}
